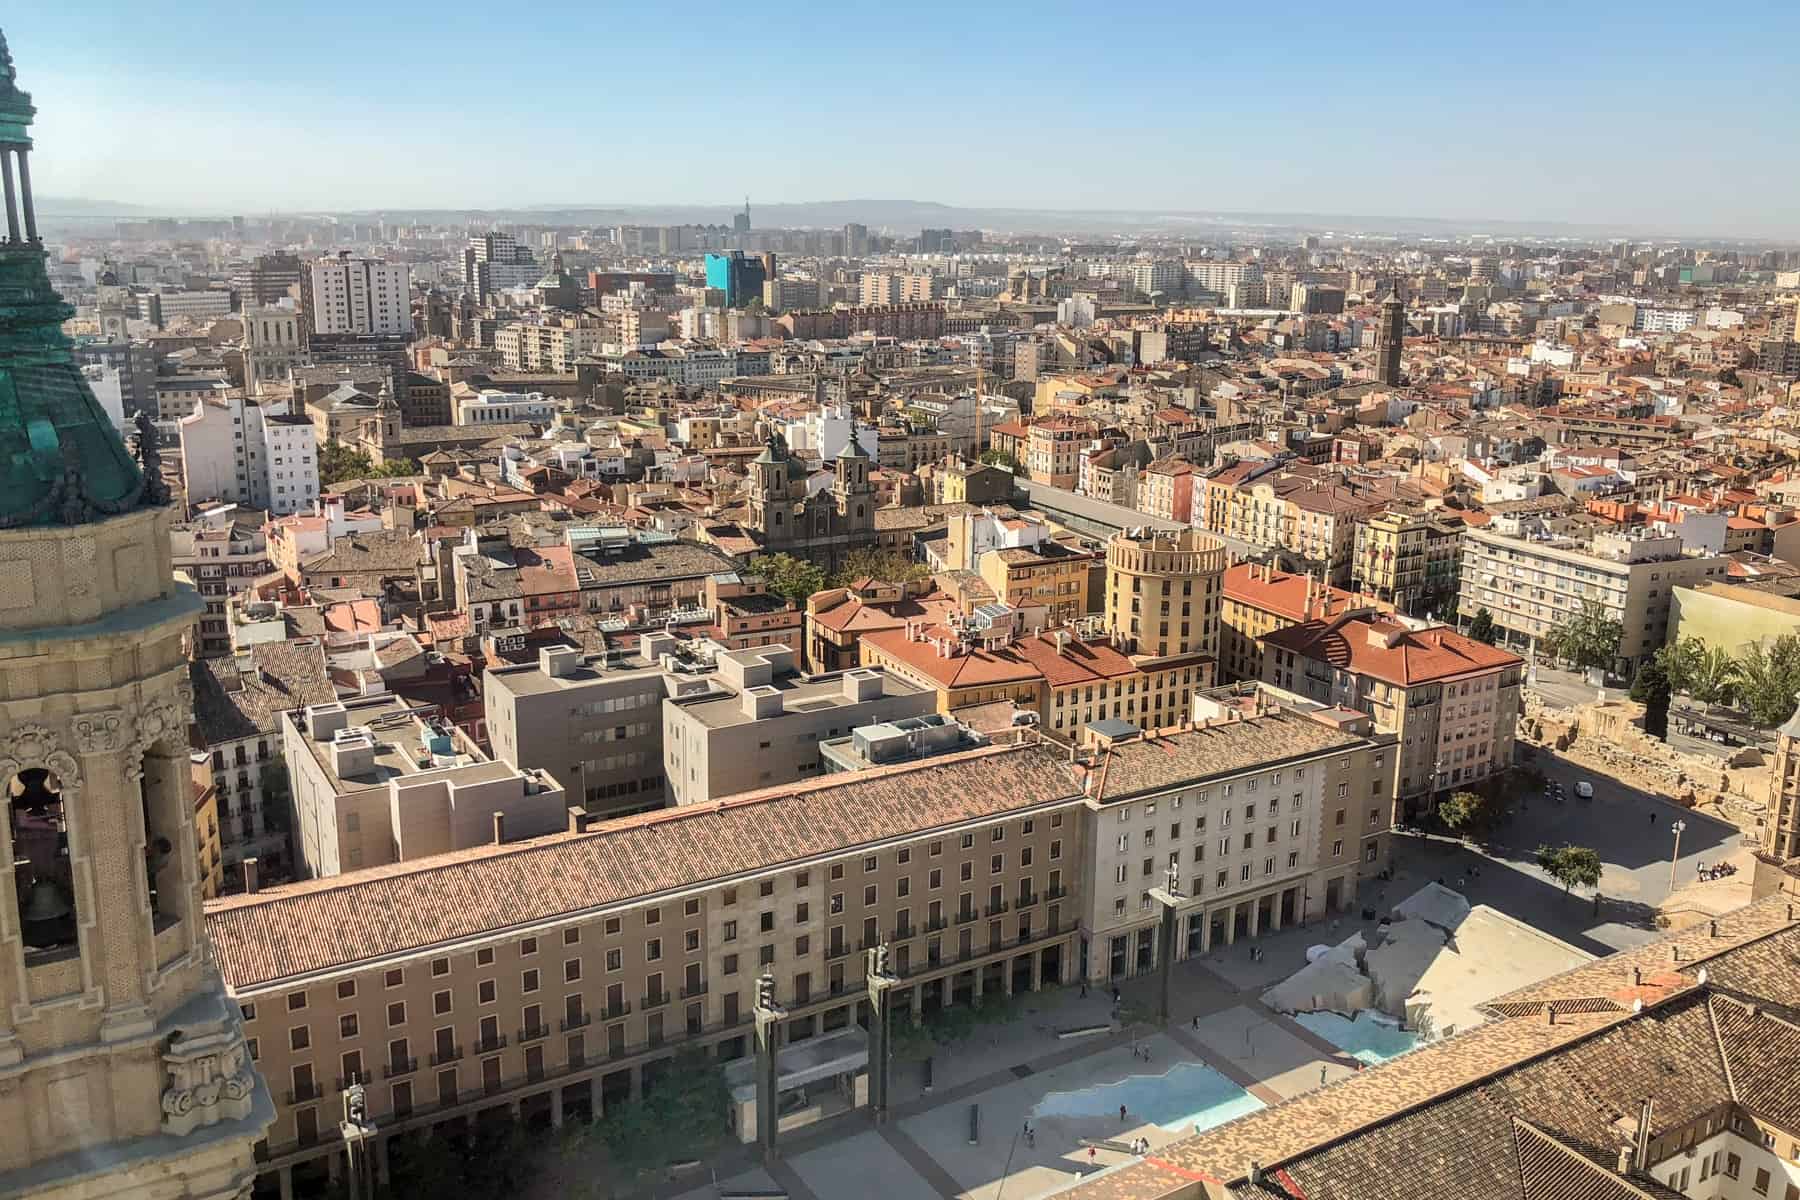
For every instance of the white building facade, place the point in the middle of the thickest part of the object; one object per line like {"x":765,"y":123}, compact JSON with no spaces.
{"x":360,"y":295}
{"x":244,"y":453}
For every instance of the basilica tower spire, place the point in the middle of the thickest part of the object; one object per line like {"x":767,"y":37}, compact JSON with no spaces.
{"x":123,"y":1067}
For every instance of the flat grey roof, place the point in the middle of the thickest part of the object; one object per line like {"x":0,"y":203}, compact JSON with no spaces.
{"x":799,"y":694}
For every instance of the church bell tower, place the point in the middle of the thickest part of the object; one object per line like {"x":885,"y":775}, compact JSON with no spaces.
{"x":123,"y":1067}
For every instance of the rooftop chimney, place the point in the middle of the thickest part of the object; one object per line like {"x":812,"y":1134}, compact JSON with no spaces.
{"x":251,"y":882}
{"x":499,"y":828}
{"x":577,"y":819}
{"x":1626,"y":1155}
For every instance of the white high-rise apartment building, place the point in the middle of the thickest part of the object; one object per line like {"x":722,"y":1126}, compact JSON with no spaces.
{"x":249,"y":454}
{"x":360,"y":295}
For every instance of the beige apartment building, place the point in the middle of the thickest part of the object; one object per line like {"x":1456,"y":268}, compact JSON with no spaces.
{"x":1407,"y":559}
{"x":552,"y":977}
{"x":1451,"y":701}
{"x":552,"y":344}
{"x":1053,"y":450}
{"x":1259,"y":599}
{"x":762,"y":721}
{"x":1531,"y":587}
{"x":1162,"y":591}
{"x":373,"y":784}
{"x":1267,"y":814}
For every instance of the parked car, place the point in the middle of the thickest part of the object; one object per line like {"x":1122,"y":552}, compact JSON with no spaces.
{"x":1584,"y":790}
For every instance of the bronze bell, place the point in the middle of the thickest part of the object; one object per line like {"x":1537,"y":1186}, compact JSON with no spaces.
{"x":46,"y":903}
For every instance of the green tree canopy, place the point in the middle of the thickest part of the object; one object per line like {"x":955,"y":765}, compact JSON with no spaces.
{"x":889,"y":566}
{"x":684,"y":1114}
{"x":1651,"y":689}
{"x":1588,"y":639}
{"x":338,"y":462}
{"x":999,"y":458}
{"x":1768,"y":677}
{"x":1570,"y":865}
{"x":794,"y":578}
{"x":1482,"y":627}
{"x":1468,"y":814}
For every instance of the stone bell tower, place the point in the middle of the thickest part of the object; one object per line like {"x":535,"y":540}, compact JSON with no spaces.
{"x":123,"y":1069}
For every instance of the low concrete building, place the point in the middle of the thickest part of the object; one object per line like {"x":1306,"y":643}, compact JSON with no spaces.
{"x":761,"y":722}
{"x":593,"y":721}
{"x":375,"y":784}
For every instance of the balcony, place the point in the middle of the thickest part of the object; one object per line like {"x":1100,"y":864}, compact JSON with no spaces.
{"x":444,"y":1058}
{"x":613,"y":1012}
{"x":694,"y":991}
{"x":963,"y":918}
{"x":1028,"y":900}
{"x":655,"y":1000}
{"x":995,"y":910}
{"x":488,"y":1045}
{"x":399,"y":1067}
{"x":840,"y":950}
{"x":303,"y":1093}
{"x":935,"y":924}
{"x":902,"y":932}
{"x":533,"y":1033}
{"x":571,"y":1024}
{"x":359,"y":1077}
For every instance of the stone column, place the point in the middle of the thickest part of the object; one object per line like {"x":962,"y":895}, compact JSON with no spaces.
{"x":12,"y":198}
{"x":381,"y":1161}
{"x":976,"y":984}
{"x":285,"y":1178}
{"x":1275,"y":913}
{"x":1255,"y":916}
{"x":31,"y":233}
{"x":556,"y":1108}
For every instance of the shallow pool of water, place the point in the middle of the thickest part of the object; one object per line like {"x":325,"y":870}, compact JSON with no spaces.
{"x":1372,"y":1037}
{"x":1185,"y":1098}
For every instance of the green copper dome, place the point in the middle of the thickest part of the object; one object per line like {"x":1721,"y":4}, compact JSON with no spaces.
{"x":61,"y":460}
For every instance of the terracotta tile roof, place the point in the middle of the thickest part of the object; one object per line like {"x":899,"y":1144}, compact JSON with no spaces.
{"x":1169,"y":758}
{"x":1283,"y":592}
{"x":1384,"y":649}
{"x":330,"y":923}
{"x":1029,"y":658}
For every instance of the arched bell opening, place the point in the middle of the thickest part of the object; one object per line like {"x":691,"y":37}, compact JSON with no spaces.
{"x":43,"y":877}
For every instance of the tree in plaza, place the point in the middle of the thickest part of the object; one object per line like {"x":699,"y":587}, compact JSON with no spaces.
{"x":1588,"y":639}
{"x":1469,"y":814}
{"x":1651,"y":689}
{"x":1482,"y":627}
{"x":999,"y":458}
{"x":1768,"y":676}
{"x":1570,"y":865}
{"x":794,"y":578}
{"x":1708,"y":674}
{"x":684,"y":1115}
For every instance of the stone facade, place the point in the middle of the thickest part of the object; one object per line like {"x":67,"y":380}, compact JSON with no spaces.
{"x":114,"y":1025}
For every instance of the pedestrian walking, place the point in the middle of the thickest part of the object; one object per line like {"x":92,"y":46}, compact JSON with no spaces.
{"x":1116,"y":993}
{"x":1196,"y":1022}
{"x":1653,"y":818}
{"x":1121,"y":1113}
{"x":1084,"y":989}
{"x":1321,"y":1075}
{"x":1090,"y":1156}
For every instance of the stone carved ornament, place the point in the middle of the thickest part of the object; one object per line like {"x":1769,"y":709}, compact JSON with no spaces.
{"x":30,"y":747}
{"x":206,"y":1088}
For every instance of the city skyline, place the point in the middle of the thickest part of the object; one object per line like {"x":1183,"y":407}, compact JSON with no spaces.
{"x":1453,"y":121}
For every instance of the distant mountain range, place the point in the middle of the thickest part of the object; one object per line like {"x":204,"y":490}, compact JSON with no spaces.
{"x":909,"y":216}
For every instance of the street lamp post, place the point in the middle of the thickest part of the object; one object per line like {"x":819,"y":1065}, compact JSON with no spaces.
{"x":1677,"y":827}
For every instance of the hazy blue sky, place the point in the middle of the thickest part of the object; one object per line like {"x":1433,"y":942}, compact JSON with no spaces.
{"x":1682,"y":116}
